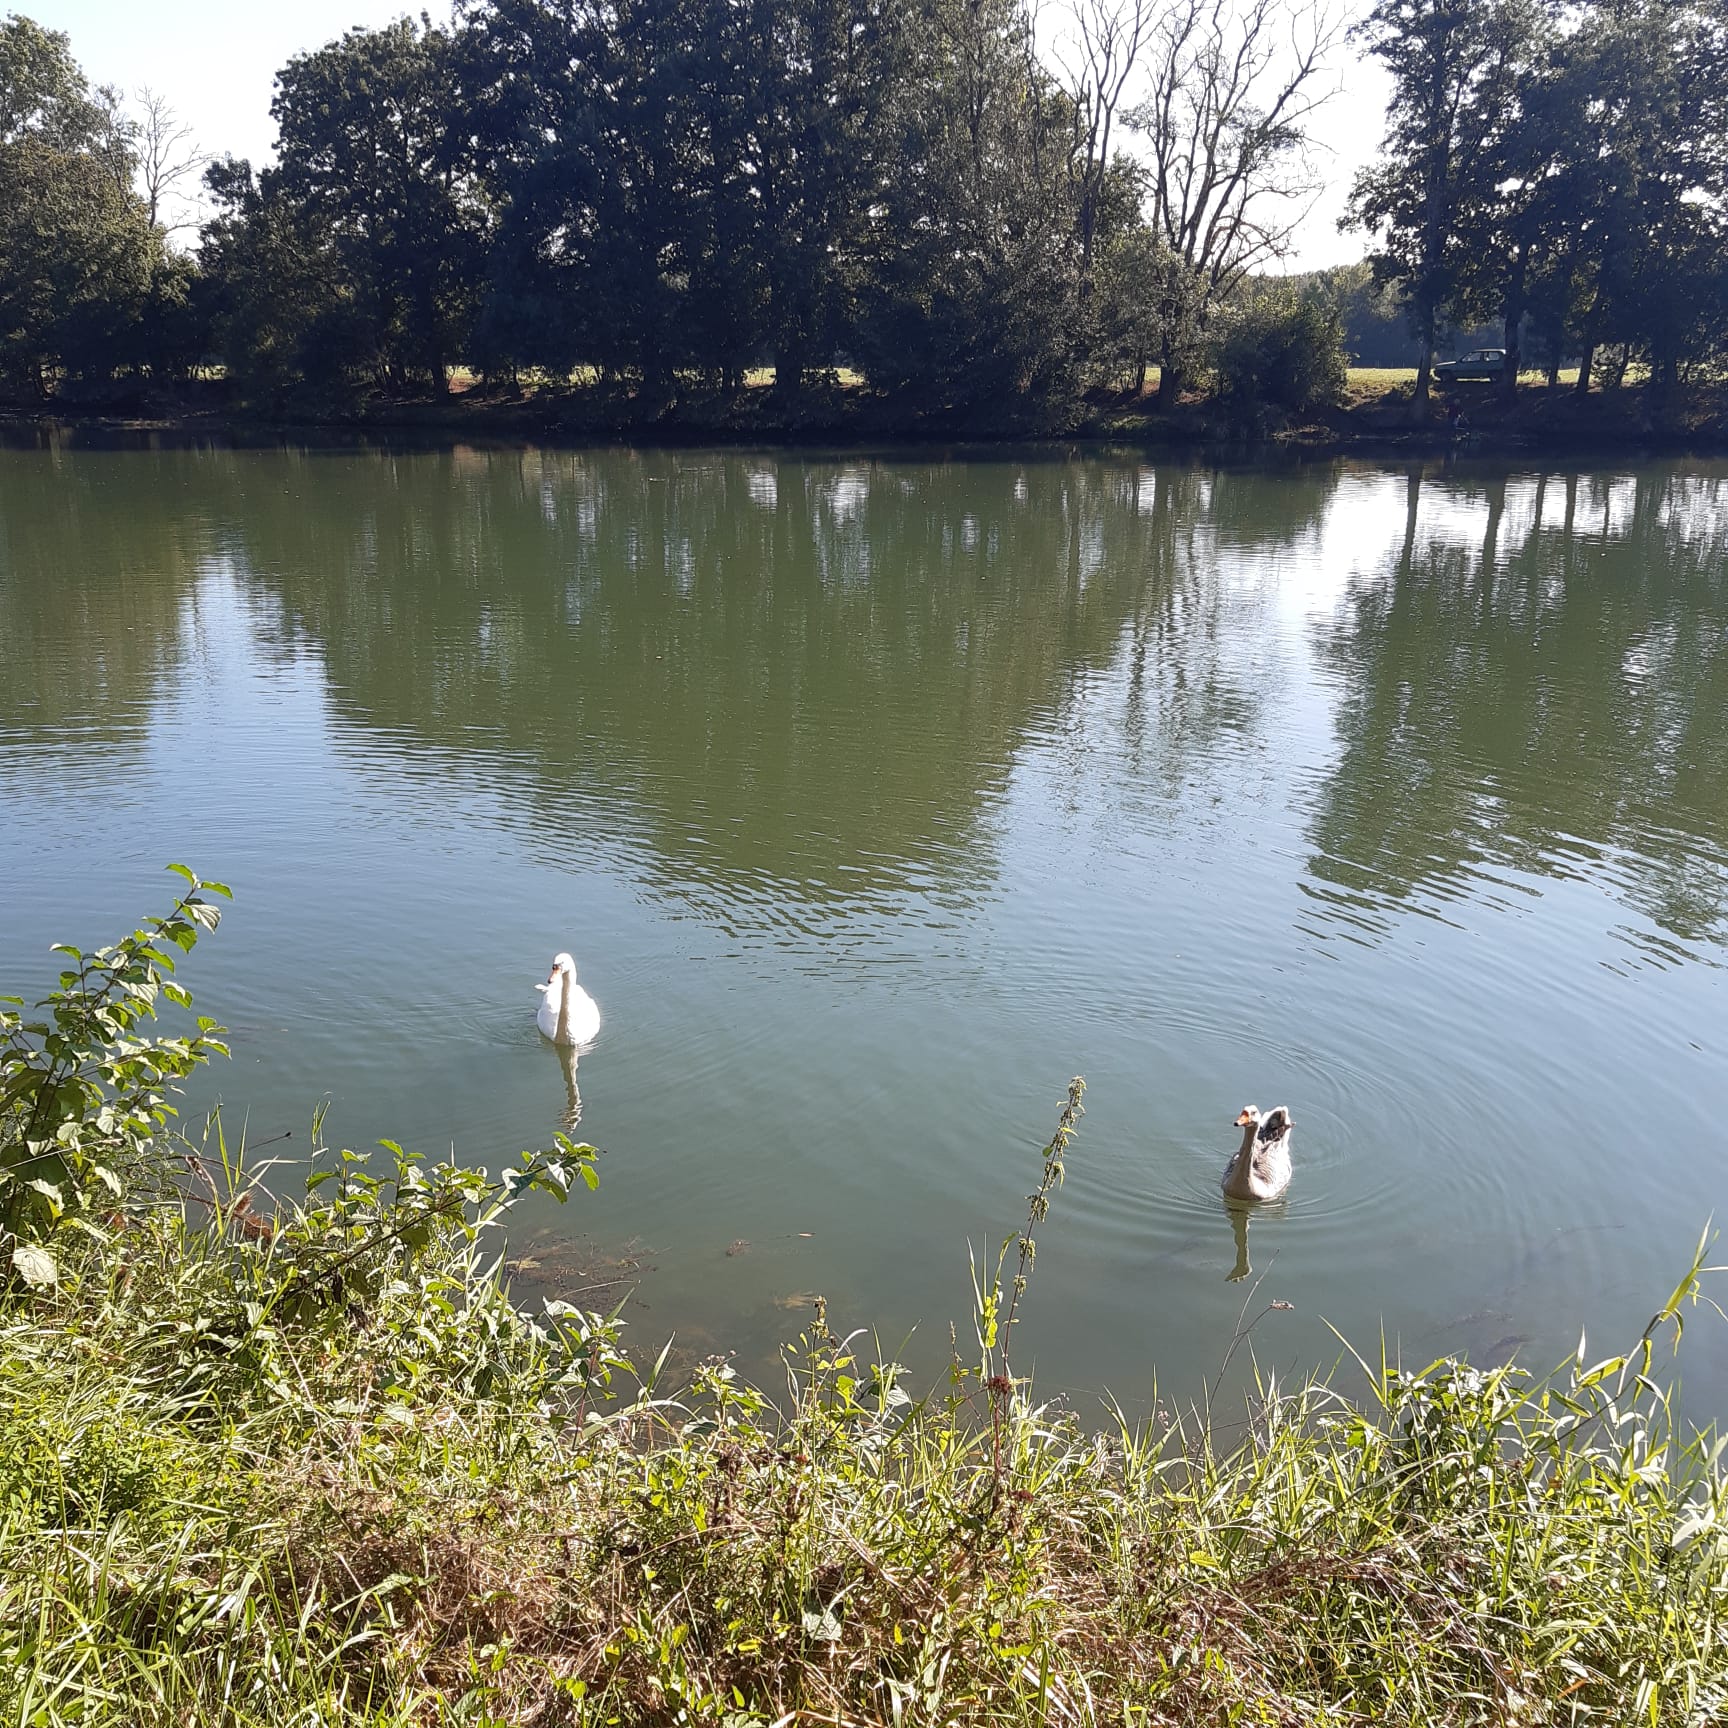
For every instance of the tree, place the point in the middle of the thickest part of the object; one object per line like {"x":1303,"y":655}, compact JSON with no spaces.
{"x":1100,"y":63}
{"x":168,"y":157}
{"x":77,"y":249}
{"x":371,"y":151}
{"x":1455,"y":67}
{"x":1644,"y":171}
{"x":590,"y":118}
{"x":1126,"y":322}
{"x":1283,"y":347}
{"x":281,"y":313}
{"x":819,"y":73}
{"x":971,"y":300}
{"x":1235,"y":86}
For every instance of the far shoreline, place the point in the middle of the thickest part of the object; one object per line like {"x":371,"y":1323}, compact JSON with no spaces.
{"x":1543,"y":422}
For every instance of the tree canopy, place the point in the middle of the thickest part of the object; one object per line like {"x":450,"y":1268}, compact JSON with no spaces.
{"x":974,"y":208}
{"x":78,"y":253}
{"x":1563,"y":170}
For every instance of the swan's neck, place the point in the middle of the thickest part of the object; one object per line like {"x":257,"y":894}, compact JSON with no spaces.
{"x":566,"y":989}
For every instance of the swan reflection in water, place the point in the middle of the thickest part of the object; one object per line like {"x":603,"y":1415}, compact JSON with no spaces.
{"x":572,"y":1111}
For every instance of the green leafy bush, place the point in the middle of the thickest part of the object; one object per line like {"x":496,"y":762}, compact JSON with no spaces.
{"x":83,"y":1096}
{"x":1283,"y":349}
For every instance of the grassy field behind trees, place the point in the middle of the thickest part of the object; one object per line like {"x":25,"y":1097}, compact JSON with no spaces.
{"x":979,"y":223}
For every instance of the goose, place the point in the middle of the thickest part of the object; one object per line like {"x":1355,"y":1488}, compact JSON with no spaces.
{"x":1260,"y":1169}
{"x":568,"y":1015}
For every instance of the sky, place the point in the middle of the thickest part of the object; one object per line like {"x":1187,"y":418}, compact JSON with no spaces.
{"x":215,"y":59}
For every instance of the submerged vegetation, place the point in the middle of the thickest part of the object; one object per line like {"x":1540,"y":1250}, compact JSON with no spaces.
{"x":310,"y":1463}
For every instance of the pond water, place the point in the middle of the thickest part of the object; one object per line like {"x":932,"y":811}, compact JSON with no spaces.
{"x":875,"y":798}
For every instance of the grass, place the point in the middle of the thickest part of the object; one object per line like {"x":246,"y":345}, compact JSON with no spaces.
{"x":1368,"y":383}
{"x":237,"y":1489}
{"x":309,"y":1464}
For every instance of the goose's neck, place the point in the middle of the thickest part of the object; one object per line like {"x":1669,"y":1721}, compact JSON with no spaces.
{"x":1247,"y":1151}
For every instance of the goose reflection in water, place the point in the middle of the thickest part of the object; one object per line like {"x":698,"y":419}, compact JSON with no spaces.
{"x":1240,"y":1212}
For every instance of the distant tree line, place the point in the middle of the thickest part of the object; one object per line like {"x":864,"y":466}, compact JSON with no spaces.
{"x":655,"y":192}
{"x":656,"y":196}
{"x":1562,"y":170}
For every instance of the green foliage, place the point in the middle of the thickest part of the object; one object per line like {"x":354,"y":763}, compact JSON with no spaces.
{"x":972,"y":285}
{"x":83,"y":1096}
{"x":78,"y":253}
{"x":1562,"y":176}
{"x":283,"y":324}
{"x":372,"y":166}
{"x":1283,"y":348}
{"x":1130,"y":319}
{"x":1455,"y":68}
{"x":658,"y":198}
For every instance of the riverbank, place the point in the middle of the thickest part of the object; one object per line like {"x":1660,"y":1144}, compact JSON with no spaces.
{"x":234,"y":1494}
{"x":272,"y":1462}
{"x":1374,"y":419}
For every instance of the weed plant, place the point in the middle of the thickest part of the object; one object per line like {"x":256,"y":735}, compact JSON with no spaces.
{"x":308,"y":1463}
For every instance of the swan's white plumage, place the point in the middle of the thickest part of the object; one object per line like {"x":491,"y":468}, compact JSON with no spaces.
{"x":567,"y":1014}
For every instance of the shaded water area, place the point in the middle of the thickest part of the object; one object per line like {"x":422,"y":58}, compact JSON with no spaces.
{"x":874,"y":799}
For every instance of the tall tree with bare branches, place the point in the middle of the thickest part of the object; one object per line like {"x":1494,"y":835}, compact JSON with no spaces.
{"x":1099,"y":57}
{"x":170,"y":163}
{"x":1235,"y":86}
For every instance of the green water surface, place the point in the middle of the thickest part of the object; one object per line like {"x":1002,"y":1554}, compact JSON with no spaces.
{"x":875,"y":798}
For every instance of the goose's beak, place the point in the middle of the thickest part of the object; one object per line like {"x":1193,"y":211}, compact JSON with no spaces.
{"x":1243,"y":1120}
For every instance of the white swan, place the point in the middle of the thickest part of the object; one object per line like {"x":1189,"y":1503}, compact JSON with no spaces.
{"x":568,"y":1015}
{"x":1260,"y":1169}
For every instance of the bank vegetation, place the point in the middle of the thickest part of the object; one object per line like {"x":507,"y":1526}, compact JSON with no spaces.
{"x":307,"y":1461}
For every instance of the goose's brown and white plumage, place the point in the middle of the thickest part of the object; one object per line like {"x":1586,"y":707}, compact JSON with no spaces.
{"x":1260,"y":1169}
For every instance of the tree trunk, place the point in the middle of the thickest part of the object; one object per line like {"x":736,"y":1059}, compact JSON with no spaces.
{"x":789,"y":369}
{"x":1585,"y":361}
{"x":1169,"y":384}
{"x":1664,"y":383}
{"x":1424,"y":369}
{"x":1514,"y":321}
{"x":1424,"y":384}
